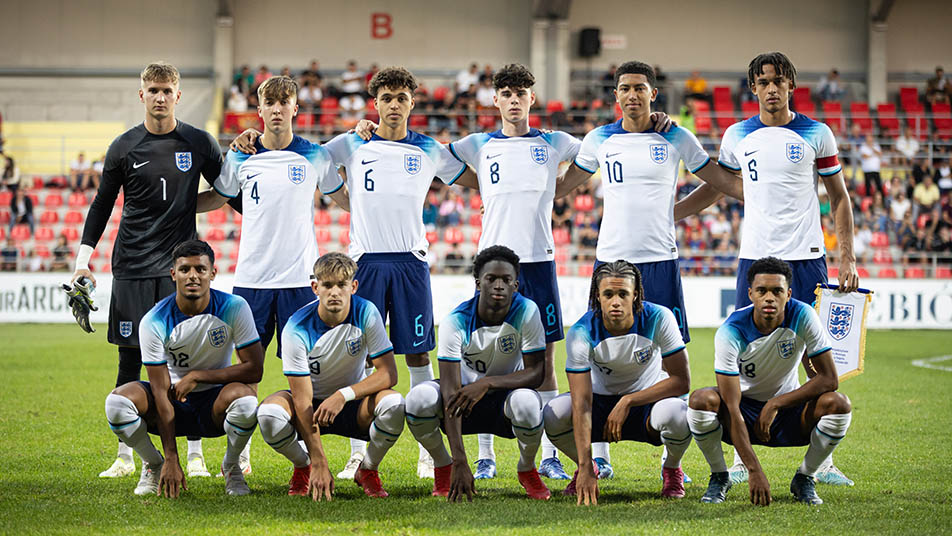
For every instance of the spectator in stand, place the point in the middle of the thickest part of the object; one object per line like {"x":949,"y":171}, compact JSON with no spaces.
{"x":237,"y":101}
{"x":862,"y":242}
{"x":588,"y":231}
{"x":943,"y":174}
{"x":467,"y":77}
{"x":925,"y":195}
{"x":95,"y":171}
{"x":62,"y":255}
{"x":879,"y":216}
{"x":21,"y":210}
{"x":244,"y":80}
{"x":938,"y":88}
{"x":455,"y":261}
{"x":485,"y":93}
{"x":9,"y":256}
{"x":915,"y":249}
{"x":310,"y":93}
{"x":942,"y":245}
{"x":443,"y":136}
{"x":608,"y":84}
{"x":11,"y":173}
{"x":720,"y":229}
{"x":352,"y":109}
{"x":352,"y":80}
{"x":79,"y":173}
{"x":431,"y":212}
{"x":908,"y":148}
{"x":313,"y":71}
{"x":374,"y":69}
{"x":870,"y":154}
{"x":696,"y":87}
{"x":487,"y":73}
{"x":853,"y":143}
{"x":919,"y":172}
{"x":898,"y":208}
{"x":725,"y":258}
{"x":263,"y":74}
{"x":829,"y":236}
{"x":661,"y":83}
{"x":906,"y":234}
{"x":830,"y":87}
{"x":562,"y":214}
{"x":450,"y":208}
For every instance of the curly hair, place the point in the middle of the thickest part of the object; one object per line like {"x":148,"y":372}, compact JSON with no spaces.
{"x":781,"y":63}
{"x":495,"y":253}
{"x":392,"y":78}
{"x":635,"y":67}
{"x":622,"y":269}
{"x":514,"y":76}
{"x":769,"y":265}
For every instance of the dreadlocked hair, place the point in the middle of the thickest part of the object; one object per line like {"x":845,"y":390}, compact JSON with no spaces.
{"x":623,"y":269}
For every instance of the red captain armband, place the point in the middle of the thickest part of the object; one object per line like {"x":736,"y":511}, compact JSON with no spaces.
{"x":827,"y":164}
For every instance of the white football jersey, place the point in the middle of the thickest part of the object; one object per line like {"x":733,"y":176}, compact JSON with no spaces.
{"x":767,"y":364}
{"x":780,"y":167}
{"x":388,"y":181}
{"x":277,"y":201}
{"x":334,"y":357}
{"x":625,"y":363}
{"x":517,"y":184}
{"x":639,"y":180}
{"x":167,"y":336}
{"x":490,"y":350}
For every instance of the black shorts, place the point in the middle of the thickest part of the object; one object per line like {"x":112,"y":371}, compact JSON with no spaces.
{"x":345,"y":424}
{"x":194,"y":417}
{"x":488,"y":416}
{"x":131,"y":300}
{"x":635,"y":427}
{"x":785,"y":430}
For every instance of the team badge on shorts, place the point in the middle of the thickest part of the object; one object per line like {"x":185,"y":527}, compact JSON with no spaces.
{"x":353,"y":346}
{"x":183,"y":161}
{"x":412,"y":163}
{"x":296,"y":173}
{"x":125,"y":328}
{"x":841,"y":320}
{"x":785,"y":347}
{"x":507,"y":344}
{"x":540,"y":154}
{"x":659,"y":152}
{"x":642,"y":356}
{"x":216,"y":336}
{"x":794,"y":152}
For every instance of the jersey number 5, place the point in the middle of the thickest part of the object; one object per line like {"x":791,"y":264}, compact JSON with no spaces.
{"x":752,"y":168}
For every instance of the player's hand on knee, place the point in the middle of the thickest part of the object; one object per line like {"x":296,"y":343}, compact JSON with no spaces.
{"x":329,"y":409}
{"x":321,"y":485}
{"x":586,"y":488}
{"x":171,"y":479}
{"x":461,"y":482}
{"x":245,"y":142}
{"x":466,"y":398}
{"x":759,"y":488}
{"x":767,"y":416}
{"x":184,"y":386}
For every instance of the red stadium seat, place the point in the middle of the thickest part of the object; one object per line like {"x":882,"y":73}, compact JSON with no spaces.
{"x":4,"y":217}
{"x":914,"y":272}
{"x":916,"y":120}
{"x":71,"y":233}
{"x":477,"y":234}
{"x":236,"y":217}
{"x":330,"y":104}
{"x":432,"y":237}
{"x":5,"y":197}
{"x":535,"y":121}
{"x":702,"y":117}
{"x":344,"y":219}
{"x":859,"y":115}
{"x":561,"y":236}
{"x":879,"y":240}
{"x":476,"y":219}
{"x":440,"y":93}
{"x":723,"y":112}
{"x":887,"y":273}
{"x":943,"y":272}
{"x":3,"y":232}
{"x":304,"y":120}
{"x":807,"y":108}
{"x":453,"y":235}
{"x":49,"y":217}
{"x":73,"y":217}
{"x":41,"y":251}
{"x":801,"y":96}
{"x":215,"y":234}
{"x":863,"y":273}
{"x":344,"y":237}
{"x":833,"y":115}
{"x":106,"y":268}
{"x":323,"y":236}
{"x":942,"y":120}
{"x":77,"y":200}
{"x":44,"y":234}
{"x":584,"y":203}
{"x":328,"y":118}
{"x":908,"y":96}
{"x":585,"y":270}
{"x":749,"y":108}
{"x":53,"y":200}
{"x":34,"y":198}
{"x":722,"y":94}
{"x":418,"y":121}
{"x":475,"y":202}
{"x":217,"y":217}
{"x":561,"y":255}
{"x":561,"y":270}
{"x":20,"y":232}
{"x":486,"y":122}
{"x":322,"y":217}
{"x":888,"y":120}
{"x":882,"y":257}
{"x":554,"y":106}
{"x":233,"y":254}
{"x":833,"y":272}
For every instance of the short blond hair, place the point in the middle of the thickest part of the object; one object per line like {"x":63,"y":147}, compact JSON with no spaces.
{"x":278,"y":88}
{"x":334,"y":267}
{"x":160,"y":71}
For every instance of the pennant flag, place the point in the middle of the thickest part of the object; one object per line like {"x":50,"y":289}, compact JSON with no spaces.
{"x":844,"y":318}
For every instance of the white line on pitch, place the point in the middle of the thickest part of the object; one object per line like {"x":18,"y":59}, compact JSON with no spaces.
{"x":929,"y":363}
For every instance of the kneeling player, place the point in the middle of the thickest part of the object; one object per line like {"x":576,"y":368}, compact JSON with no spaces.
{"x":325,"y":347}
{"x":499,"y":335}
{"x":759,"y":399}
{"x":627,"y":366}
{"x":193,"y":390}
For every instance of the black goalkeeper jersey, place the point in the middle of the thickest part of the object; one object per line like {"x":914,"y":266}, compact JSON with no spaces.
{"x":159,"y":175}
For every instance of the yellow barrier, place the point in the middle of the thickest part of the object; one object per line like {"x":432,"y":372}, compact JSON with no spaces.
{"x":48,"y":147}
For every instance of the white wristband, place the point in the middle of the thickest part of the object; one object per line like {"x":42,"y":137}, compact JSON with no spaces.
{"x":348,"y":393}
{"x":82,"y":257}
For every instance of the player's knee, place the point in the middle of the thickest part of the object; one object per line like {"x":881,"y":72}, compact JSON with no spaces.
{"x":670,"y":416}
{"x":524,"y":408}
{"x":391,"y":413}
{"x":120,"y":409}
{"x":242,"y":412}
{"x":706,"y":399}
{"x":834,"y":403}
{"x":424,"y":400}
{"x":275,"y":425}
{"x":557,"y":415}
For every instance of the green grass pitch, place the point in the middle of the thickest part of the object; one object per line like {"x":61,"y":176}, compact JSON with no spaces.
{"x":54,"y":440}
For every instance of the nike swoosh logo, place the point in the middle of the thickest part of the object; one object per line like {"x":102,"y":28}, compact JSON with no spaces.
{"x":365,"y":162}
{"x":750,"y":153}
{"x":490,"y":157}
{"x":418,"y":343}
{"x":249,"y":177}
{"x":468,"y":354}
{"x":613,"y":154}
{"x":177,"y":349}
{"x":138,"y":165}
{"x":551,"y":332}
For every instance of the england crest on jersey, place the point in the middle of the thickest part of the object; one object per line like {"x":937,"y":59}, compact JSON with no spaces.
{"x":125,"y":328}
{"x":659,"y":152}
{"x":841,"y":320}
{"x":540,"y":154}
{"x":216,"y":336}
{"x":795,"y":152}
{"x":296,"y":173}
{"x":183,"y":161}
{"x":786,"y":347}
{"x":642,"y":356}
{"x":507,"y":344}
{"x":353,"y":346}
{"x":412,"y":163}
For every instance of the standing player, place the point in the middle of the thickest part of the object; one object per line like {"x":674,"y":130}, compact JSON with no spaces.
{"x":499,"y":335}
{"x":779,"y":154}
{"x":200,"y":393}
{"x":157,"y":165}
{"x":326,"y":345}
{"x":627,"y":367}
{"x":387,"y":180}
{"x":639,"y":170}
{"x":759,"y":399}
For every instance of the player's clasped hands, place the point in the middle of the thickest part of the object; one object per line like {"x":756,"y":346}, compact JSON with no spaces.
{"x":171,"y":479}
{"x":325,"y":414}
{"x":466,"y":398}
{"x":461,"y":482}
{"x":321,"y":483}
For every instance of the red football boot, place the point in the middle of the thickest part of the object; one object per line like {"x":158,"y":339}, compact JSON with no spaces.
{"x":369,"y":479}
{"x":535,"y":489}
{"x":441,"y":480}
{"x":300,"y":479}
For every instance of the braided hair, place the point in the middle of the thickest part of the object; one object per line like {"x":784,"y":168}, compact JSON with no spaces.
{"x":622,"y":269}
